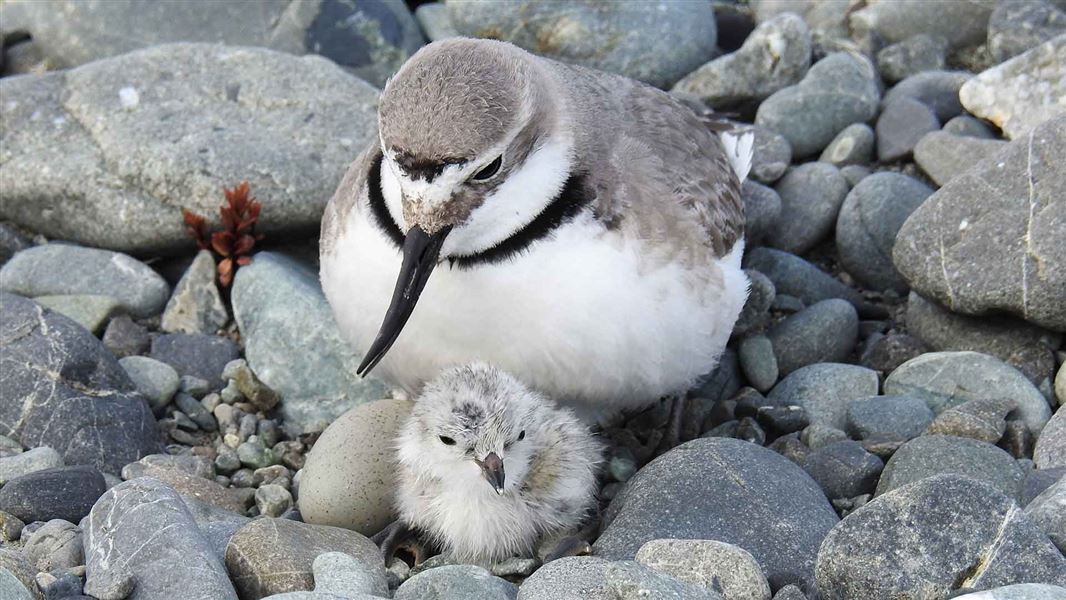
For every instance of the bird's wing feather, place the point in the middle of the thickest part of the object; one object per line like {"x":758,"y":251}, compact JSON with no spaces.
{"x":346,"y":198}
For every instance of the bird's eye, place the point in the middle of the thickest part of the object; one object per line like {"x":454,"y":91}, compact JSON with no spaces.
{"x":447,"y":441}
{"x":521,"y":435}
{"x":490,"y":169}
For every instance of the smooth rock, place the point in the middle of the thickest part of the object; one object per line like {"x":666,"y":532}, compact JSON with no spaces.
{"x":946,"y":379}
{"x":349,"y":478}
{"x":775,"y":55}
{"x":824,"y":390}
{"x":886,"y":353}
{"x":939,"y":90}
{"x":837,"y":91}
{"x":1050,"y":449}
{"x":157,"y":380}
{"x":903,"y":122}
{"x":757,"y":361}
{"x":574,"y":577}
{"x":771,"y":156}
{"x":369,"y":39}
{"x":1060,"y":383}
{"x":125,"y":338}
{"x":435,"y":22}
{"x":967,"y":126}
{"x":630,"y":580}
{"x":292,"y":342}
{"x":930,"y":455}
{"x":654,"y":42}
{"x":196,"y":306}
{"x":273,"y":500}
{"x":1021,"y":345}
{"x":981,"y":419}
{"x":943,"y":156}
{"x":57,"y":545}
{"x":961,"y":24}
{"x":205,"y":490}
{"x":821,"y":333}
{"x":866,"y":227}
{"x":456,"y":582}
{"x":843,"y":469}
{"x":288,"y":125}
{"x":729,"y":490}
{"x":853,"y":174}
{"x":889,"y":417}
{"x":272,"y":556}
{"x":90,"y":311}
{"x":1047,"y":510}
{"x":1023,"y":92}
{"x":918,"y":53}
{"x":966,"y":532}
{"x":343,"y":575}
{"x":852,"y":146}
{"x":762,"y":208}
{"x":30,"y":461}
{"x":1018,"y":25}
{"x":62,"y":493}
{"x":64,"y":269}
{"x":62,"y":389}
{"x":811,"y":195}
{"x":994,"y":238}
{"x":196,"y":355}
{"x":1019,"y":591}
{"x":12,"y":588}
{"x":142,"y":530}
{"x":716,"y":566}
{"x":794,"y":276}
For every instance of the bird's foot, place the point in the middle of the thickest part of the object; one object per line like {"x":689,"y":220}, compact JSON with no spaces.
{"x":672,"y":433}
{"x":400,"y":540}
{"x":569,"y":546}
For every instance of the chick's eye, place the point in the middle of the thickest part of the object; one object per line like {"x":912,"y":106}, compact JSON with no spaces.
{"x":447,"y":441}
{"x":490,"y":169}
{"x":521,"y":435}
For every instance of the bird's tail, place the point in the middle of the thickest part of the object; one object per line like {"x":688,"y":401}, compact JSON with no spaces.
{"x":739,"y":146}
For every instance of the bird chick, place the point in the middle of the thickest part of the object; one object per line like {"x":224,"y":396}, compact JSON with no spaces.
{"x":489,"y":467}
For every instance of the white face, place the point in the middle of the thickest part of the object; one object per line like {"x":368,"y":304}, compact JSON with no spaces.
{"x":514,"y":202}
{"x":441,"y":447}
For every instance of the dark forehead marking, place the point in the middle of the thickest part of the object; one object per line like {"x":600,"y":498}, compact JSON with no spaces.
{"x":418,"y":167}
{"x":469,"y":413}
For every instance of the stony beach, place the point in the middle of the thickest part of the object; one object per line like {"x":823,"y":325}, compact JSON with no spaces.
{"x":885,"y":423}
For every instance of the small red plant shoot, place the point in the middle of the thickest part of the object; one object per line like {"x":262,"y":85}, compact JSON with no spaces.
{"x":235,"y":241}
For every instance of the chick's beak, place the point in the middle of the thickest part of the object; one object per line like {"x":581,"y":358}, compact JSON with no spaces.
{"x":492,"y":469}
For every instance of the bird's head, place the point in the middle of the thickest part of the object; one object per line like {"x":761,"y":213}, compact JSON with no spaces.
{"x":473,"y":426}
{"x":474,"y":147}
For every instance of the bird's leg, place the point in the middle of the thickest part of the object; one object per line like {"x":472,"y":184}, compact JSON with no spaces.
{"x":400,"y":536}
{"x":672,"y":434}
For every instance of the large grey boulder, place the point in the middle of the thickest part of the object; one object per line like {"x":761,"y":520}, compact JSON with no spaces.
{"x":655,"y":42}
{"x":114,"y":149}
{"x":728,"y":490}
{"x":962,"y":23}
{"x":371,"y":38}
{"x":292,"y":343}
{"x":932,"y":537}
{"x":1023,"y":92}
{"x":994,"y":238}
{"x":60,"y":387}
{"x":142,"y":529}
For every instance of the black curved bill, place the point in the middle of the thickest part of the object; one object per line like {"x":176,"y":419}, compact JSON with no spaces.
{"x":420,"y":252}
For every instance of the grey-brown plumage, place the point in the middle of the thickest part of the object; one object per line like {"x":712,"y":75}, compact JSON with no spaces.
{"x":488,"y":467}
{"x":578,"y":229}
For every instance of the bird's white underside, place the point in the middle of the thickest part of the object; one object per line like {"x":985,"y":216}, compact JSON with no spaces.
{"x":583,"y":315}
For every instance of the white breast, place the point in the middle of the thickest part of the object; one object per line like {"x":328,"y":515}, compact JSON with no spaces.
{"x":584,"y":316}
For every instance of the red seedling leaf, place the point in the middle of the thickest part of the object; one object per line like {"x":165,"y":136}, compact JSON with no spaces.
{"x":229,"y":218}
{"x":192,"y":219}
{"x":222,"y":242}
{"x":225,"y":272}
{"x":244,"y":245}
{"x":244,"y":261}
